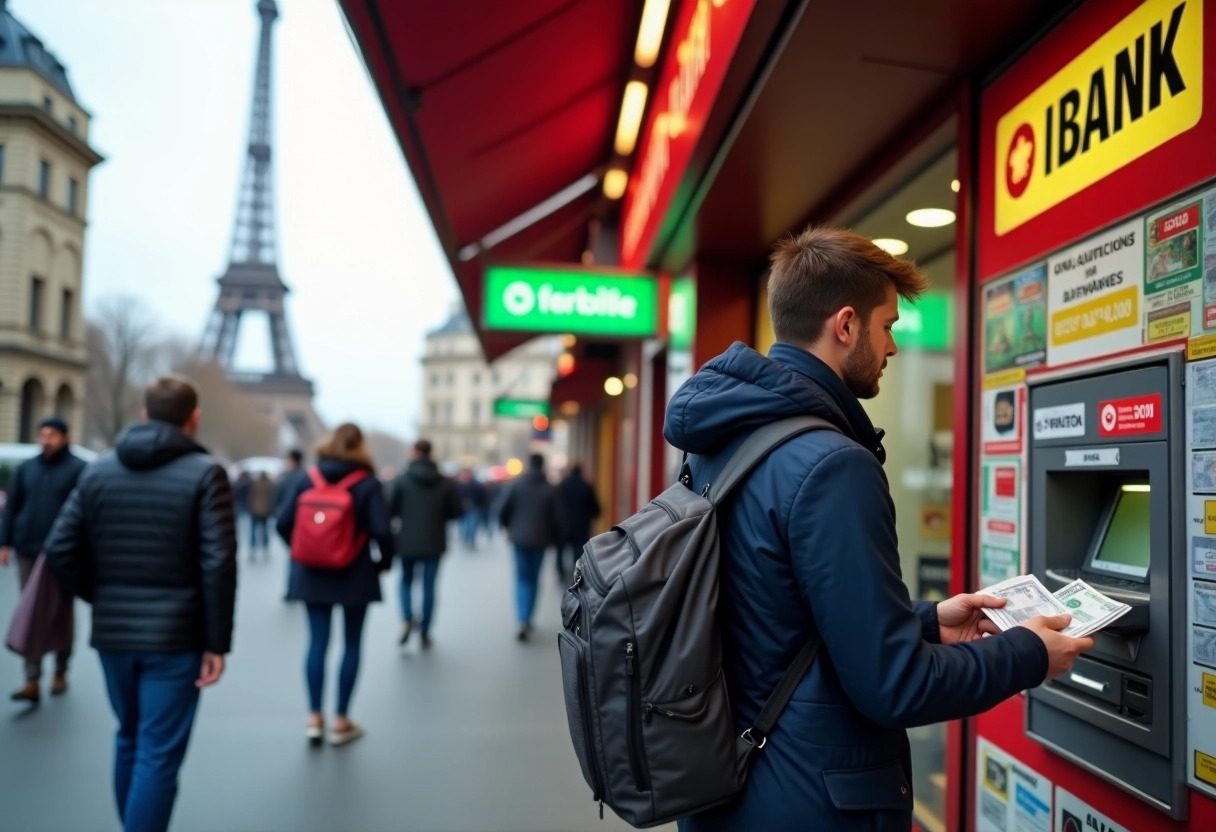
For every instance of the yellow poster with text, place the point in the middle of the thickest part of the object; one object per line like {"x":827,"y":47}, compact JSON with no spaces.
{"x":1134,"y":88}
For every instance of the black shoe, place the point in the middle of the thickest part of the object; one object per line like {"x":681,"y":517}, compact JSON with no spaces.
{"x":426,"y":642}
{"x":524,"y":631}
{"x":405,"y":634}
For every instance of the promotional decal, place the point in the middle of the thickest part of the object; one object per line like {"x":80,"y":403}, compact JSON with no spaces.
{"x":1015,"y":321}
{"x":1094,"y":296}
{"x":1009,"y":795}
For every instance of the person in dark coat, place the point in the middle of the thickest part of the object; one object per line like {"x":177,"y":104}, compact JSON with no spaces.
{"x":149,"y":539}
{"x":289,"y":480}
{"x":809,"y":545}
{"x":40,"y":487}
{"x":421,"y":503}
{"x":530,"y":514}
{"x":475,"y":501}
{"x":580,"y":507}
{"x":261,"y":509}
{"x":339,"y":455}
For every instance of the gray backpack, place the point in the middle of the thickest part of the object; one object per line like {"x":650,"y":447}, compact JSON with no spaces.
{"x":641,"y":654}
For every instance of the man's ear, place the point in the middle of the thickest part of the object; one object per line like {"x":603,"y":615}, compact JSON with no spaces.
{"x":195,"y":418}
{"x":143,"y":413}
{"x":845,"y":325}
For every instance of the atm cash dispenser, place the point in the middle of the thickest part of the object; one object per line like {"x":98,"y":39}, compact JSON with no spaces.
{"x":1107,"y":496}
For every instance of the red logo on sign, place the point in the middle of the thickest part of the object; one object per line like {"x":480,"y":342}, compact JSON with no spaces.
{"x":1019,"y":160}
{"x":1130,"y":416}
{"x":1175,"y":224}
{"x":1006,"y":482}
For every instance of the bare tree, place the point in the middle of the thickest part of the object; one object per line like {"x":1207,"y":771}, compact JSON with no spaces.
{"x":121,"y":343}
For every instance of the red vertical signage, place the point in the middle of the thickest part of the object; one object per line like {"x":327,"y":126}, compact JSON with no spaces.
{"x":706,"y":34}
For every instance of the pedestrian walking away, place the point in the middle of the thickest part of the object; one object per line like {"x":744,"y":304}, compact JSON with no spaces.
{"x":421,"y":503}
{"x":809,"y":552}
{"x":579,"y":509}
{"x":351,"y":578}
{"x":475,"y":500}
{"x":531,"y":517}
{"x":261,"y":509}
{"x":40,"y":487}
{"x":160,"y":575}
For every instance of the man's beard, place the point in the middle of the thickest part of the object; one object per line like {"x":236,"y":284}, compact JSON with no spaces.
{"x":862,"y":368}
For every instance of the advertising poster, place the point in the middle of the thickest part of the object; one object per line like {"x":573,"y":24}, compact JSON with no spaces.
{"x":1173,"y":249}
{"x":998,"y":565}
{"x":1094,"y":296}
{"x":1004,"y":421}
{"x":1001,"y":503}
{"x":1201,"y":583}
{"x":1075,"y":815}
{"x":1015,"y":321}
{"x":1009,"y":796}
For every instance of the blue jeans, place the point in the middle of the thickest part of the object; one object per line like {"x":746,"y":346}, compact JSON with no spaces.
{"x":319,"y":618}
{"x":469,"y":521}
{"x":527,"y":579}
{"x":154,"y":697}
{"x":259,"y":533}
{"x":430,"y":569}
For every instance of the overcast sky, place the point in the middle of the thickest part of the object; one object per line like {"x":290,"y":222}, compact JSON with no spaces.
{"x":168,"y":85}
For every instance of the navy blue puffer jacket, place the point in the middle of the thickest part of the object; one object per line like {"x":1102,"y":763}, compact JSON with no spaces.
{"x":809,"y":540}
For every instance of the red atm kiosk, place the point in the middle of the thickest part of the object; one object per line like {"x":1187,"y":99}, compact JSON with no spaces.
{"x":1095,"y":406}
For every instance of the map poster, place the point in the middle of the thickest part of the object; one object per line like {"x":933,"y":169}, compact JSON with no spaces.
{"x":1015,"y":321}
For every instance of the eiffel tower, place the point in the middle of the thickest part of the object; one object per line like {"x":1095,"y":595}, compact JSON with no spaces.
{"x":251,"y":283}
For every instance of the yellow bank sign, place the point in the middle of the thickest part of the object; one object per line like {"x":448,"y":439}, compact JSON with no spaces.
{"x":1133,"y":89}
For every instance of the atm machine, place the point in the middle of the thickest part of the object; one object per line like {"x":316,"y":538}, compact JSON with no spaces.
{"x":1106,"y":503}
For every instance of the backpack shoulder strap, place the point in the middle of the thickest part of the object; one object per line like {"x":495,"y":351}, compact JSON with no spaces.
{"x":314,"y":476}
{"x":351,"y":480}
{"x":757,"y":735}
{"x":756,"y":447}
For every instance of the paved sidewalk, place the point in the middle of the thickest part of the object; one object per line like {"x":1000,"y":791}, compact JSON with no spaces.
{"x":468,"y":737}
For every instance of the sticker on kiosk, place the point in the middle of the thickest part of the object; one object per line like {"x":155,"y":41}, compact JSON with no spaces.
{"x":1130,"y":416}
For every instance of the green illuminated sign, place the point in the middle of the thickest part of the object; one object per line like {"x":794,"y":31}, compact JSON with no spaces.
{"x":578,"y":302}
{"x":682,"y":313}
{"x":520,"y":408}
{"x":927,"y":324}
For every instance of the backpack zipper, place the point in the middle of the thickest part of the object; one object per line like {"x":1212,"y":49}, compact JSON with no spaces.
{"x":635,"y":721}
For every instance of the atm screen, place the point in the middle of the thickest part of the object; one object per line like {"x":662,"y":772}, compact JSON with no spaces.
{"x":1125,"y":545}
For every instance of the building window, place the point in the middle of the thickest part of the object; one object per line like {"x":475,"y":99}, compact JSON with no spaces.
{"x":451,"y":380}
{"x":37,"y":286}
{"x":44,"y":179}
{"x":476,"y":412}
{"x":476,"y":378}
{"x":434,"y":379}
{"x":447,"y":412}
{"x":73,"y":194}
{"x":434,"y":414}
{"x":72,"y":124}
{"x":47,"y":103}
{"x":65,"y":314}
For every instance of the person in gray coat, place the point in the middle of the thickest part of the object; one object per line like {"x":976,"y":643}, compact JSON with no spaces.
{"x":421,"y":501}
{"x":532,"y":519}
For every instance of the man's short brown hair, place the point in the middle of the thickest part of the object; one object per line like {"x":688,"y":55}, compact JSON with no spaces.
{"x":171,"y":399}
{"x":817,"y":273}
{"x":423,"y":448}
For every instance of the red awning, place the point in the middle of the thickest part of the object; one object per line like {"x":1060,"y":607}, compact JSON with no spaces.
{"x":498,"y":107}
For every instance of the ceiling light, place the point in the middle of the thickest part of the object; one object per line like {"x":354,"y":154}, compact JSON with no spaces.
{"x":633,"y":104}
{"x":631,"y":380}
{"x":615,"y":181}
{"x":613,"y":386}
{"x":930,"y":217}
{"x":891,"y":246}
{"x":650,"y":32}
{"x":954,"y":185}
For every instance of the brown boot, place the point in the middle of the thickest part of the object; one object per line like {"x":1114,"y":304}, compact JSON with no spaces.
{"x":59,"y":685}
{"x":30,"y":693}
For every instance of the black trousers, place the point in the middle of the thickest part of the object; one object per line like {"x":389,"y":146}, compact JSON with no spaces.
{"x":568,"y":553}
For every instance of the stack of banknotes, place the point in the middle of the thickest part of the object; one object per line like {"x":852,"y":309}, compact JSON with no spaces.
{"x":1027,"y":597}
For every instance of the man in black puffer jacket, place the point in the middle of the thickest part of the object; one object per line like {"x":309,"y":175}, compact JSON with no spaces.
{"x":531,"y":514}
{"x":148,"y":538}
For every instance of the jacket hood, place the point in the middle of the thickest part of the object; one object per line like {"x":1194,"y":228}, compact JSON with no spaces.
{"x":334,"y":469}
{"x":151,"y":444}
{"x":741,"y":390}
{"x":424,"y":472}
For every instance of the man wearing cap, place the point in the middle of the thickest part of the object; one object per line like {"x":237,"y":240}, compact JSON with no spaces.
{"x":40,"y":487}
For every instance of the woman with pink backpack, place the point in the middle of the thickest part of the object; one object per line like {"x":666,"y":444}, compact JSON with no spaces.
{"x":329,"y":522}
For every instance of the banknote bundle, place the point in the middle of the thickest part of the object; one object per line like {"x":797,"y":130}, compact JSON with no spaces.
{"x":1026,"y":598}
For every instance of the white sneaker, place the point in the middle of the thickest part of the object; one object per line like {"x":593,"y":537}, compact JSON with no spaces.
{"x":315,"y":735}
{"x":344,"y":737}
